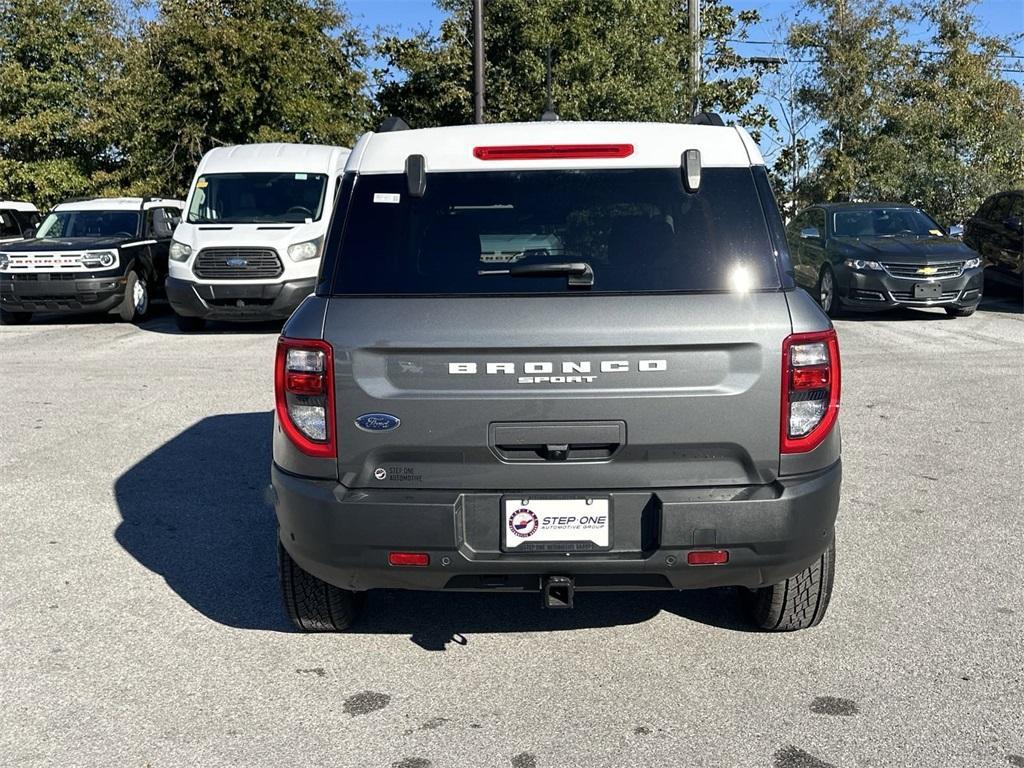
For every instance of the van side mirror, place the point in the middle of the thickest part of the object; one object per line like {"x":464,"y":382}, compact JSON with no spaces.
{"x":810,"y":233}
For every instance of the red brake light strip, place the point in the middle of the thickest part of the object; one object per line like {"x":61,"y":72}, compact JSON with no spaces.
{"x":553,"y":151}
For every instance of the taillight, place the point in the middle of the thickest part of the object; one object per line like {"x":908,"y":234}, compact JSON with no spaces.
{"x":553,"y":151}
{"x":810,"y":389}
{"x":304,"y":394}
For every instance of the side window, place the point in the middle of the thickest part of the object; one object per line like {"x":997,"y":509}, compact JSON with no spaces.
{"x":9,"y":225}
{"x":798,"y":223}
{"x":160,"y":227}
{"x":174,"y":215}
{"x":816,"y":219}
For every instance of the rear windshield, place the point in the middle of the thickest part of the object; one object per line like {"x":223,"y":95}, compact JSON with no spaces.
{"x":638,"y":230}
{"x":250,"y":198}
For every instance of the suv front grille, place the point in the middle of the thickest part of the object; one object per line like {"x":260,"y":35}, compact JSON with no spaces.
{"x":237,"y":264}
{"x":911,"y":271}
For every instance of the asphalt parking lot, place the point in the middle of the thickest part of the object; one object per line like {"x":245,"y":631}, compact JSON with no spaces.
{"x":140,"y":623}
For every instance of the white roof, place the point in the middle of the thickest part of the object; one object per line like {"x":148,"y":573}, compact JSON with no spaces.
{"x":269,"y":158}
{"x":117,"y":204}
{"x":655,"y":145}
{"x":14,"y":205}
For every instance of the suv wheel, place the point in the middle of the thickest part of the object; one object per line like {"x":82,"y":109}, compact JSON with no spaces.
{"x":189,"y":324}
{"x":960,"y":311}
{"x":314,"y":605}
{"x":798,"y":602}
{"x":136,"y":298}
{"x":827,"y":297}
{"x":14,"y":318}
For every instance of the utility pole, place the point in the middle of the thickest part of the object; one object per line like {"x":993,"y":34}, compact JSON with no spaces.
{"x":478,"y":61}
{"x":695,"y":52}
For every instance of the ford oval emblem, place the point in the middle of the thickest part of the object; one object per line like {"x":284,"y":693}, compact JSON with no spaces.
{"x":236,"y":262}
{"x":378,"y":422}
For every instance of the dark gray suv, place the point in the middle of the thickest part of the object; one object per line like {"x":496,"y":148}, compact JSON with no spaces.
{"x":557,"y":357}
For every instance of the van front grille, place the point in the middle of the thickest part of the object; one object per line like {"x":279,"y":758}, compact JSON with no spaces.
{"x":237,"y":264}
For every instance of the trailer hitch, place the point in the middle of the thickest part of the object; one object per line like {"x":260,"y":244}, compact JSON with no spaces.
{"x":557,"y":591}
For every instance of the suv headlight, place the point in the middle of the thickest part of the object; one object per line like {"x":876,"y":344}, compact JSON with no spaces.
{"x":861,"y":264}
{"x":99,"y":259}
{"x":4,"y":260}
{"x":305,"y":251}
{"x":969,"y":264}
{"x":179,"y":251}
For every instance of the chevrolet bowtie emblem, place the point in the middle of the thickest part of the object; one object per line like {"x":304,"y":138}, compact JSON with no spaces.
{"x":927,"y":270}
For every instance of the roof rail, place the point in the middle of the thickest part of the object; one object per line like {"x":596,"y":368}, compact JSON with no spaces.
{"x":706,"y":118}
{"x":393,"y":124}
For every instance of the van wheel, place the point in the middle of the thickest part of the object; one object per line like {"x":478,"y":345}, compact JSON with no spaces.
{"x":135,"y":304}
{"x":827,"y":290}
{"x":314,"y":605}
{"x":189,"y":324}
{"x":14,"y":318}
{"x":798,"y":602}
{"x":960,"y":311}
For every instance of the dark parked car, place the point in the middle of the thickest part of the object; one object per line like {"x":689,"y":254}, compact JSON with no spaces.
{"x":996,"y":231}
{"x":875,"y":256}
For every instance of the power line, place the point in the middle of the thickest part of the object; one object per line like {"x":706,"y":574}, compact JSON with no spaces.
{"x":786,"y":45}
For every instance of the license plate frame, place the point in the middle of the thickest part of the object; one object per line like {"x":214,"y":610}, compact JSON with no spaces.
{"x":927,"y":290}
{"x":558,"y":535}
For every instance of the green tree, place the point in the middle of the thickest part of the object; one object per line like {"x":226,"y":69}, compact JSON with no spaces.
{"x":205,"y":73}
{"x":57,"y":58}
{"x":611,"y":60}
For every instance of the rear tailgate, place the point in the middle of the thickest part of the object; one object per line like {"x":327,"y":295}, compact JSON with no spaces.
{"x":559,"y":392}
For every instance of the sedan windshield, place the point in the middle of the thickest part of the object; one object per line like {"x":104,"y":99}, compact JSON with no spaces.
{"x":251,"y":198}
{"x":90,"y":224}
{"x":884,"y":222}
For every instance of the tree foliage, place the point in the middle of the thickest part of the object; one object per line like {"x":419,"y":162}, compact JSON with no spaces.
{"x":611,"y":60}
{"x":204,"y":73}
{"x":57,"y":60}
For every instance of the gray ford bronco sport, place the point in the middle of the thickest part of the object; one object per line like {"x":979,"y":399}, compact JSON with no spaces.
{"x":557,"y":357}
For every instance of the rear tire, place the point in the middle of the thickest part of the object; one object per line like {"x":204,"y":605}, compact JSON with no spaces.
{"x":798,"y":602}
{"x":189,"y":324}
{"x":14,"y":318}
{"x":314,"y":605}
{"x":827,"y":292}
{"x":135,"y":304}
{"x":960,"y":311}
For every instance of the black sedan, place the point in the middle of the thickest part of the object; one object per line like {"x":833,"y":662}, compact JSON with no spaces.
{"x":875,"y":256}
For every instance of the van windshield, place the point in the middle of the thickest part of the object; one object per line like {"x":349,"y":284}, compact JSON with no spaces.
{"x":252,"y":198}
{"x":638,"y":230}
{"x":90,"y":224}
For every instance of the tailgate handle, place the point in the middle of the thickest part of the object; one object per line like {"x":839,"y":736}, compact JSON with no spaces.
{"x":557,"y":441}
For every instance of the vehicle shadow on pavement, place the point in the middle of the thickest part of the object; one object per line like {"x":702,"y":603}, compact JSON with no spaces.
{"x":164,"y":322}
{"x":194,"y":511}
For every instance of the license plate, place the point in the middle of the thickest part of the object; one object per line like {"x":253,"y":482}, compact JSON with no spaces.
{"x":927,"y":290}
{"x":545,"y":525}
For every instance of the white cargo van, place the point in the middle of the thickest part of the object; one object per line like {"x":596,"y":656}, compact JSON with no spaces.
{"x":249,"y":244}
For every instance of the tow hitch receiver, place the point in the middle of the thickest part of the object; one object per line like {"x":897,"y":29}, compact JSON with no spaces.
{"x":557,"y":591}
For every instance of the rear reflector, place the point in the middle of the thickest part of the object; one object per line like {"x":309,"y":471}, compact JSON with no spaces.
{"x":408,"y":558}
{"x":707,"y":557}
{"x":553,"y":151}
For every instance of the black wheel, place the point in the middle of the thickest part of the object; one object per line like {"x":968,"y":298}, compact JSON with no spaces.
{"x":189,"y":324}
{"x":827,"y":292}
{"x":314,"y":605}
{"x":798,"y":602}
{"x":14,"y":318}
{"x":960,"y":311}
{"x":135,"y":304}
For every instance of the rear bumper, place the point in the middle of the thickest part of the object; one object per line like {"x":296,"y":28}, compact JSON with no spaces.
{"x":61,"y":293}
{"x":879,"y":290}
{"x":343,"y":536}
{"x":240,"y":302}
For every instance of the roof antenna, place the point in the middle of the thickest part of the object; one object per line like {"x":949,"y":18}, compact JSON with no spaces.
{"x":549,"y":110}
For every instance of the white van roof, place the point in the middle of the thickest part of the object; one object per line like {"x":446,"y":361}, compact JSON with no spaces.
{"x":118,"y":204}
{"x":650,"y":145}
{"x":270,"y":158}
{"x":16,"y":205}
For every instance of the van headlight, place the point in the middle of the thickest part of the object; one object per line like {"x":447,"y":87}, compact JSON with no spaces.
{"x":179,"y":251}
{"x":98,"y":259}
{"x":305,"y":251}
{"x":861,"y":264}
